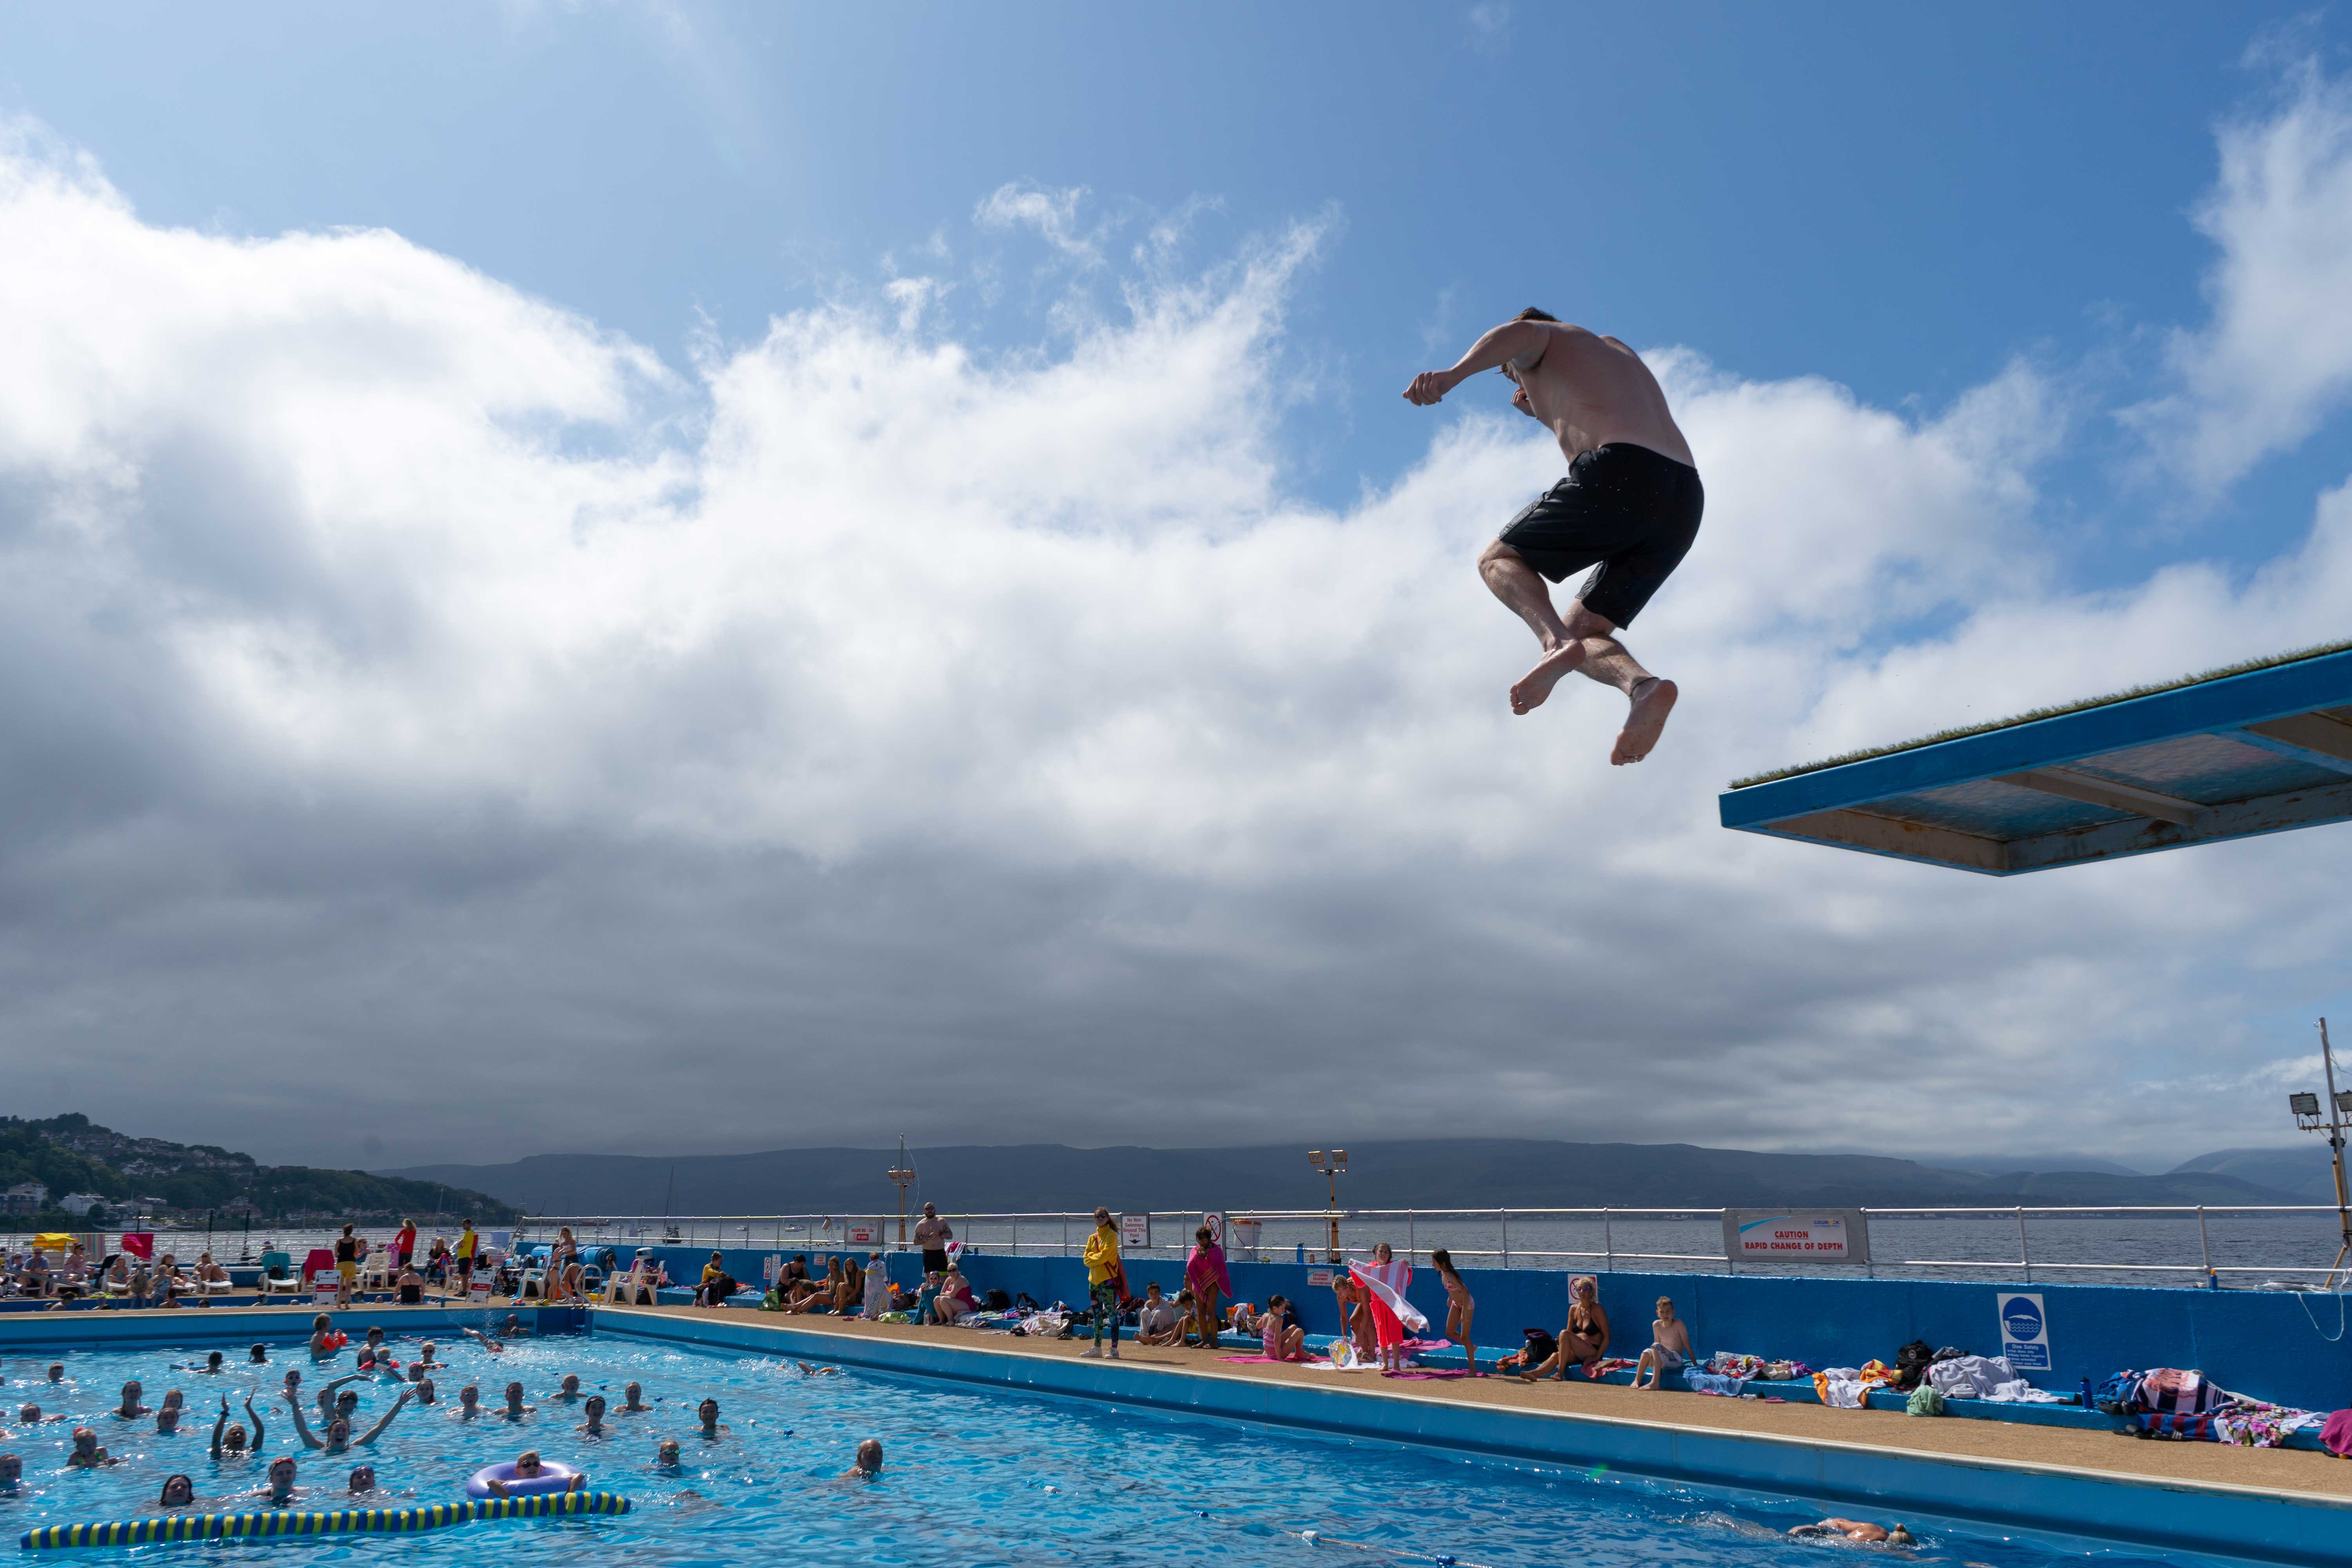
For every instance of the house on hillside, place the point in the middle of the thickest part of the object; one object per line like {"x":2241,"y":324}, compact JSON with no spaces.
{"x":26,"y":1197}
{"x":80,"y":1203}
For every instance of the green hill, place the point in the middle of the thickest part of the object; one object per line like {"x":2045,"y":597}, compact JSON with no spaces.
{"x":71,"y":1155}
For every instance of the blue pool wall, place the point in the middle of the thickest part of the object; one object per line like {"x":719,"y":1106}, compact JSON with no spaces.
{"x":2267,"y":1344}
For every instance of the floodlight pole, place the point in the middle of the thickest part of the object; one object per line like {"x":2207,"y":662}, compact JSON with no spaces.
{"x":902,"y":1176}
{"x":2336,"y":1145}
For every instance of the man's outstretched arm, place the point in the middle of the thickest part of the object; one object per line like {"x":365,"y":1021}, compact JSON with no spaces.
{"x":1513,"y":341}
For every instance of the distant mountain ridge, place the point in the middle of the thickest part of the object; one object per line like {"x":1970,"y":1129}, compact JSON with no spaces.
{"x":1433,"y":1174}
{"x":2307,"y":1174}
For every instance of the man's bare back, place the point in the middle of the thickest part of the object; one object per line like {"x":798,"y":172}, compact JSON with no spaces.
{"x":1630,"y":508}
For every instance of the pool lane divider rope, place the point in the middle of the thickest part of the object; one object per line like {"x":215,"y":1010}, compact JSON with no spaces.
{"x":274,"y":1523}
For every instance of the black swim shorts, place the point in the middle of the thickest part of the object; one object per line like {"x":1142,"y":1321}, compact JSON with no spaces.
{"x":1625,"y":511}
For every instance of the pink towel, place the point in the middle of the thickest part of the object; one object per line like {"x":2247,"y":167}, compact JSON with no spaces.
{"x":2336,"y":1436}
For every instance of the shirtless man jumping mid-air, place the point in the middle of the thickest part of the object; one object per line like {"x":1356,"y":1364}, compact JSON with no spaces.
{"x":1629,"y":507}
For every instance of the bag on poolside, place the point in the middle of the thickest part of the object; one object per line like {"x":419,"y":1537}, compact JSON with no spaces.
{"x":1911,"y":1364}
{"x":1925,"y":1401}
{"x":998,"y":1302}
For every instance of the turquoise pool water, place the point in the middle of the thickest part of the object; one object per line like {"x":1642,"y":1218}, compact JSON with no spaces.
{"x":971,"y":1478}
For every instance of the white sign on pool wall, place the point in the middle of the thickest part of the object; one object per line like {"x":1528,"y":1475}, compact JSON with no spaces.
{"x":1799,"y":1235}
{"x":2024,"y":1330}
{"x":1134,"y":1230}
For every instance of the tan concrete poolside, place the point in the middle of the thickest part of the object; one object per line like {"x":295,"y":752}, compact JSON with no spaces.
{"x":2067,"y":1448}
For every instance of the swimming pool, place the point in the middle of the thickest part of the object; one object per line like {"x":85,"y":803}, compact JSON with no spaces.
{"x":972,"y":1476}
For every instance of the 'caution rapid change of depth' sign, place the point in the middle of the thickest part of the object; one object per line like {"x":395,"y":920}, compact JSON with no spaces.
{"x":1805,"y":1236}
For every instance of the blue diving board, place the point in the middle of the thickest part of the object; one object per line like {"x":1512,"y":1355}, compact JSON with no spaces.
{"x":2225,"y":758}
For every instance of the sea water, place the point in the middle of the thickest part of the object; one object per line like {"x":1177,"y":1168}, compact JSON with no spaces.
{"x":970,"y":1477}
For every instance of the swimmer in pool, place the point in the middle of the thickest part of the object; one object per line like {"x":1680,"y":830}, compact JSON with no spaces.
{"x":131,"y":1408}
{"x":869,"y":1462}
{"x":594,"y":1410}
{"x":211,"y":1368}
{"x":808,"y":1371}
{"x":633,"y":1400}
{"x":570,"y":1391}
{"x":339,"y":1431}
{"x":12,"y":1474}
{"x":516,"y":1409}
{"x":57,"y":1372}
{"x":362,"y":1480}
{"x":229,"y":1437}
{"x":87,"y":1455}
{"x":528,"y":1466}
{"x":666,"y":1455}
{"x":258,"y":1356}
{"x":487,"y":1343}
{"x":279,"y":1488}
{"x":426,"y":1359}
{"x":469,"y":1404}
{"x":179,"y":1491}
{"x":1857,"y":1529}
{"x":30,"y":1416}
{"x":707,"y":1414}
{"x":167,"y":1421}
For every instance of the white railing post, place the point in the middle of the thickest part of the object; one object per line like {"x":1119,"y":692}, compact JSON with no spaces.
{"x":1412,"y":1247}
{"x":2205,"y":1249}
{"x":1607,"y":1245}
{"x":2024,"y":1256}
{"x":1505,"y":1216}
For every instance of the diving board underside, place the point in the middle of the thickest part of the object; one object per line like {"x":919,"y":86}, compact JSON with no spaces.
{"x":2247,"y":754}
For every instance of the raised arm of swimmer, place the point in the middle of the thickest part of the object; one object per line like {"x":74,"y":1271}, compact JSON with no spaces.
{"x":1516,"y":343}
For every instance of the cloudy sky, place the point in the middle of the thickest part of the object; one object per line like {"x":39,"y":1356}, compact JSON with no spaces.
{"x":658,"y":579}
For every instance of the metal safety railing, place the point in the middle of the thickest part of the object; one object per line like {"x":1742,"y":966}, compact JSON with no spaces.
{"x":2131,"y":1240}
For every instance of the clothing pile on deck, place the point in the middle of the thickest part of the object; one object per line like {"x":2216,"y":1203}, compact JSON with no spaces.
{"x":2171,"y":1402}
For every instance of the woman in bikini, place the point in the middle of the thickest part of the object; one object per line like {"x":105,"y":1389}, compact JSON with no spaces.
{"x":1459,"y":1306}
{"x":1585,"y":1340}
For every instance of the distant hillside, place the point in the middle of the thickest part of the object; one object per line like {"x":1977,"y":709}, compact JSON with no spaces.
{"x":2306,"y":1173}
{"x":73,"y":1155}
{"x":1482,"y":1173}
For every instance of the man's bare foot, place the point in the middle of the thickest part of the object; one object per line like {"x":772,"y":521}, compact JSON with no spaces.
{"x":1653,"y":700}
{"x":1536,"y":684}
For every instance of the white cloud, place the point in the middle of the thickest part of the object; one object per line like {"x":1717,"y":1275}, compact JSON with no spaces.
{"x":2276,"y":358}
{"x":1052,"y":213}
{"x":387,"y":674}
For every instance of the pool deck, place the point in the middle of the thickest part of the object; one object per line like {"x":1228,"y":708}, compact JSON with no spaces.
{"x":2279,"y":1471}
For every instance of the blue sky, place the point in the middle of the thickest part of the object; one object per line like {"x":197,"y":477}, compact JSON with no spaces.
{"x":952,"y":583}
{"x":1899,"y":200}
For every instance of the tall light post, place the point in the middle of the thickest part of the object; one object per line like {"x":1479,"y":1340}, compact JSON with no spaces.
{"x":2307,"y":1117}
{"x":903,"y":1176}
{"x":1332,"y":1169}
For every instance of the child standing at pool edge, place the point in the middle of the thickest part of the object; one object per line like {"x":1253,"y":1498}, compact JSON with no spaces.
{"x":1459,"y":1306}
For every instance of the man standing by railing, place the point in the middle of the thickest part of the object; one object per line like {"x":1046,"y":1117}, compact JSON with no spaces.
{"x":932,"y":1236}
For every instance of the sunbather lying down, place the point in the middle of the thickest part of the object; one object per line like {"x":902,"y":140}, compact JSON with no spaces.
{"x":1857,"y":1529}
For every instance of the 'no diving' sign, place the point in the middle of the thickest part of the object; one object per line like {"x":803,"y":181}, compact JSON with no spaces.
{"x":2024,"y":1330}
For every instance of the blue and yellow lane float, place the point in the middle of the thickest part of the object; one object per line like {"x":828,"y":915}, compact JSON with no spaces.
{"x":270,"y":1523}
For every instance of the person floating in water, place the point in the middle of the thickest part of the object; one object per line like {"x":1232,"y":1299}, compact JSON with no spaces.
{"x":868,"y":1464}
{"x":1629,"y":507}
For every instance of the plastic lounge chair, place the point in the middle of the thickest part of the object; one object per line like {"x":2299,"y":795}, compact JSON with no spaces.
{"x":277,"y":1275}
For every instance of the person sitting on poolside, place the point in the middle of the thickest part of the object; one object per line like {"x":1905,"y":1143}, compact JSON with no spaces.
{"x":1856,"y":1529}
{"x":955,"y":1300}
{"x":87,"y":1455}
{"x":1279,"y":1331}
{"x":1585,"y":1338}
{"x":1670,"y":1346}
{"x":516,"y":1409}
{"x":707,"y":1414}
{"x":131,"y":1408}
{"x":528,"y":1466}
{"x":821,"y":1294}
{"x":179,"y":1491}
{"x":1157,"y":1322}
{"x":33,"y":1279}
{"x":228,"y":1438}
{"x":869,"y":1461}
{"x":845,"y":1300}
{"x":1185,"y":1311}
{"x":594,"y":1411}
{"x":212,"y":1280}
{"x":1242,"y":1318}
{"x":339,"y":1431}
{"x":716,"y":1285}
{"x":633,"y":1400}
{"x":469,"y":1404}
{"x":411,"y":1285}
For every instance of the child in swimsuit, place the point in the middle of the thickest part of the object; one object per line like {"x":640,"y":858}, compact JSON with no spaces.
{"x":1459,"y":1306}
{"x":1670,"y":1346}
